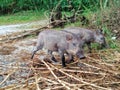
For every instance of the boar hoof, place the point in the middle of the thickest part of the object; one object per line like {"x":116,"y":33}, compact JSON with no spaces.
{"x":53,"y":59}
{"x":83,"y":57}
{"x":69,"y":61}
{"x":63,"y":65}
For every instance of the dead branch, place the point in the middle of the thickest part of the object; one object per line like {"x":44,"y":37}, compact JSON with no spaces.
{"x":49,"y":80}
{"x":15,"y":87}
{"x":87,"y":72}
{"x":57,"y":88}
{"x":7,"y":77}
{"x":36,"y":82}
{"x":80,"y":80}
{"x":60,"y":81}
{"x":110,"y":71}
{"x":98,"y":79}
{"x":73,"y":85}
{"x":36,"y":78}
{"x":112,"y":83}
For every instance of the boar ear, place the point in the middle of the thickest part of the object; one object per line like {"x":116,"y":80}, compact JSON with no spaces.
{"x":69,"y":37}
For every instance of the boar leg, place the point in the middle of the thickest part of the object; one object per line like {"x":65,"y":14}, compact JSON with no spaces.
{"x":52,"y":57}
{"x":89,"y":47}
{"x":35,"y":50}
{"x":80,"y":54}
{"x":61,"y":53}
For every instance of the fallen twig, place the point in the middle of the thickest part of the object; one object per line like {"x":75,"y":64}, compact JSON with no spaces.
{"x":57,"y":88}
{"x":49,"y":80}
{"x":7,"y":77}
{"x":87,"y":72}
{"x":112,"y":83}
{"x":80,"y":79}
{"x":55,"y":75}
{"x":36,"y":79}
{"x":100,"y":68}
{"x":36,"y":82}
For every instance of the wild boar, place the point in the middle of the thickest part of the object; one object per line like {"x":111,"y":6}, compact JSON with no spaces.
{"x":88,"y":36}
{"x":61,"y":42}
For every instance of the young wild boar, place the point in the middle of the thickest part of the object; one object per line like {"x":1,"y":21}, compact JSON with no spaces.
{"x":88,"y":36}
{"x":61,"y":42}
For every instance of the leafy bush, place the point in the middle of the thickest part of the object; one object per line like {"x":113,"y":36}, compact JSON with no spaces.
{"x":11,"y":6}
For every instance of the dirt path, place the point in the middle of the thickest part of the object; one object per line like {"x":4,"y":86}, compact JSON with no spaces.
{"x":6,"y":29}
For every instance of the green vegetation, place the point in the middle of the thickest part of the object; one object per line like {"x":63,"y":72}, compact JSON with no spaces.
{"x":29,"y":10}
{"x":112,"y":43}
{"x":13,"y":6}
{"x":21,"y":17}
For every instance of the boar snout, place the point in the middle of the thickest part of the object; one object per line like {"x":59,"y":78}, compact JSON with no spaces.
{"x":104,"y":45}
{"x":82,"y":57}
{"x":80,"y":54}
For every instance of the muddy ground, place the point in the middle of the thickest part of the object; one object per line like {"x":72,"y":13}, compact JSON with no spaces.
{"x":100,"y":70}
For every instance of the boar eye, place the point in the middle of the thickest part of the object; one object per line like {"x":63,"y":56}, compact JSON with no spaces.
{"x":102,"y":38}
{"x":74,"y":44}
